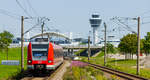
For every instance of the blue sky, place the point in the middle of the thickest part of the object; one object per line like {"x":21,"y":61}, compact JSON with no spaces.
{"x":73,"y":15}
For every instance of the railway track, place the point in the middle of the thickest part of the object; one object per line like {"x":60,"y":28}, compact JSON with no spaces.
{"x":53,"y":75}
{"x":120,"y":74}
{"x":42,"y":76}
{"x":37,"y":76}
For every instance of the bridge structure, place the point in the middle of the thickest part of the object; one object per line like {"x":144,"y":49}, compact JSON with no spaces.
{"x":81,"y":47}
{"x":48,"y":34}
{"x":70,"y":49}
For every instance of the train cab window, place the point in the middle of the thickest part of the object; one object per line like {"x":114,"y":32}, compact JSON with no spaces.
{"x":40,"y":55}
{"x":39,"y":51}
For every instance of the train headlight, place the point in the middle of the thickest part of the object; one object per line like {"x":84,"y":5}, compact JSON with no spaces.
{"x":49,"y":61}
{"x":29,"y":61}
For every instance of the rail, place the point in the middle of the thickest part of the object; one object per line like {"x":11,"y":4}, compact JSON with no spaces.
{"x":117,"y":73}
{"x":43,"y":76}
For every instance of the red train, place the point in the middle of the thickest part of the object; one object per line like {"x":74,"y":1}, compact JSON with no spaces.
{"x":44,"y":55}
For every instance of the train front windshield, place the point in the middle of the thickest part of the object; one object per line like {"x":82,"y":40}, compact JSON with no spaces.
{"x":39,"y":51}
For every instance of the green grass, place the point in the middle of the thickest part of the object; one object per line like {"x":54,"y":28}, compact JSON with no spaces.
{"x":78,"y":52}
{"x":7,"y":71}
{"x":122,"y":65}
{"x":101,"y":54}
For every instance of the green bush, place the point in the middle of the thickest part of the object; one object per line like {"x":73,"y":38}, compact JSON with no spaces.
{"x":100,"y":77}
{"x":68,"y":75}
{"x":83,"y":73}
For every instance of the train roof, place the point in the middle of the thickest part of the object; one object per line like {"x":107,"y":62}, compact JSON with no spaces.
{"x":39,"y":42}
{"x":54,"y":45}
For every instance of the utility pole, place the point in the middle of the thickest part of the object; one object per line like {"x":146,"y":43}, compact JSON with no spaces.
{"x":138,"y":43}
{"x":138,"y":51}
{"x":42,"y":29}
{"x":22,"y":46}
{"x":105,"y":45}
{"x":89,"y":51}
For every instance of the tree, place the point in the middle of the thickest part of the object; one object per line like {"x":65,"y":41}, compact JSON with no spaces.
{"x":142,"y":41}
{"x":5,"y":40}
{"x":110,"y":48}
{"x":146,"y":43}
{"x":128,"y":44}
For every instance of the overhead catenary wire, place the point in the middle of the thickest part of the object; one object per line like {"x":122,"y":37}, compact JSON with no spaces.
{"x":35,"y":12}
{"x":23,"y":8}
{"x":3,"y":10}
{"x":32,"y":28}
{"x":145,"y":23}
{"x":40,"y":21}
{"x":12,"y":15}
{"x":128,"y":18}
{"x":127,"y":27}
{"x":120,"y":29}
{"x":146,"y":17}
{"x":144,"y":13}
{"x":16,"y":16}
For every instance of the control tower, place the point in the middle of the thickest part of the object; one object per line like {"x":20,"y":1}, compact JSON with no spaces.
{"x":95,"y":22}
